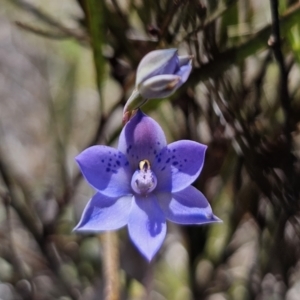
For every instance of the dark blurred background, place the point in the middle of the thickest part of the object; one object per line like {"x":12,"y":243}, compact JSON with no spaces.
{"x":66,"y":70}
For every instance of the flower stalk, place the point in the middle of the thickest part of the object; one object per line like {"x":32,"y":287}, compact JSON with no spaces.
{"x":111,"y":262}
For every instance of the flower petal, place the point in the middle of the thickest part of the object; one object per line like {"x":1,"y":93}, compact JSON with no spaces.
{"x":178,"y":165}
{"x":106,"y":169}
{"x":188,"y":206}
{"x":147,"y":225}
{"x":185,"y":60}
{"x":155,"y":63}
{"x":160,"y":86}
{"x":141,"y":138}
{"x":105,"y":213}
{"x":184,"y":73}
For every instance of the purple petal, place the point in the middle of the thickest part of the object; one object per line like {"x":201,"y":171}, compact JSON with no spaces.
{"x":106,"y":169}
{"x":141,"y":138}
{"x":105,"y":213}
{"x":178,"y":165}
{"x":184,"y":73}
{"x":160,"y":86}
{"x":155,"y":63}
{"x":188,"y":206}
{"x":147,"y":225}
{"x":185,"y":60}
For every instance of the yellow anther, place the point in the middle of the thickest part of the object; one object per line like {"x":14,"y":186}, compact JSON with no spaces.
{"x":144,"y":165}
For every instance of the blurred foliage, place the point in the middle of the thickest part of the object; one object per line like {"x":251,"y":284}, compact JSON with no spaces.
{"x":66,"y":70}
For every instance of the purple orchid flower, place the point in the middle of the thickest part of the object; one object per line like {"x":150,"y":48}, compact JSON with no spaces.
{"x":142,"y":184}
{"x":159,"y":74}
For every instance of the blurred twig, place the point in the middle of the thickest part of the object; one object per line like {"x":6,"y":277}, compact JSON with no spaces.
{"x":210,"y":19}
{"x":48,"y":34}
{"x":237,"y":54}
{"x":175,"y":6}
{"x":95,"y":16}
{"x":79,"y":36}
{"x":30,"y":223}
{"x":275,"y":43}
{"x":41,"y":32}
{"x":15,"y":258}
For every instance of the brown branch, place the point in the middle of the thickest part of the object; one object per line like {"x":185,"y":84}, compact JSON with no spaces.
{"x":40,"y":237}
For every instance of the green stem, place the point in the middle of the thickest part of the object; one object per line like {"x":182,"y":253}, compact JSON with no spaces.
{"x":95,"y":17}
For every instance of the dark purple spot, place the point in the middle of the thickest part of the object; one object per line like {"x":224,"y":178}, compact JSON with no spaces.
{"x":185,"y":160}
{"x":155,"y":151}
{"x":107,"y":169}
{"x":174,"y":150}
{"x":144,"y":176}
{"x":118,"y":162}
{"x":168,"y":160}
{"x":128,"y":148}
{"x":114,"y":171}
{"x":158,"y":143}
{"x":115,"y":166}
{"x":102,"y":160}
{"x":173,"y":156}
{"x":180,"y":166}
{"x":110,"y":159}
{"x":109,"y":165}
{"x":159,"y":160}
{"x":163,"y":168}
{"x":127,"y":163}
{"x":175,"y":163}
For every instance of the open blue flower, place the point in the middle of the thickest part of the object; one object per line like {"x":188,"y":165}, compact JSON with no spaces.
{"x":159,"y":74}
{"x":142,"y":184}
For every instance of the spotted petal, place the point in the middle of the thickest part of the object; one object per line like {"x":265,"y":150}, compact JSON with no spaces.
{"x":188,"y":206}
{"x":178,"y":165}
{"x":155,"y":63}
{"x":106,"y":169}
{"x":141,"y":138}
{"x":147,"y":225}
{"x":105,"y":213}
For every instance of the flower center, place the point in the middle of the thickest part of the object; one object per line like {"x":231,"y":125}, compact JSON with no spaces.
{"x":143,"y":180}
